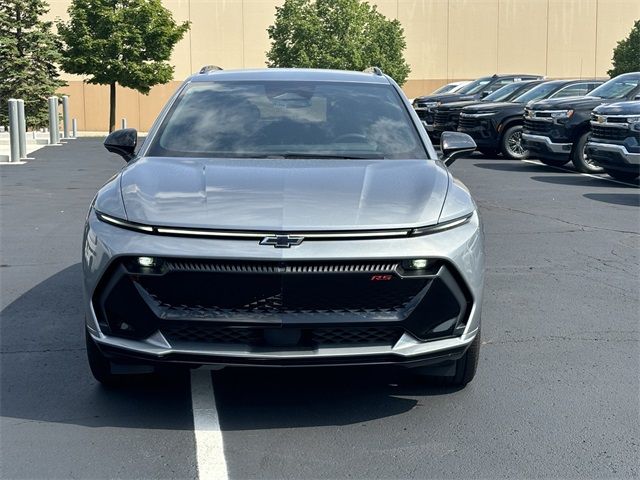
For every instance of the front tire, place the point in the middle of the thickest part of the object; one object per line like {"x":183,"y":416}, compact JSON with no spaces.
{"x":579,"y":157}
{"x":100,"y":365}
{"x":511,"y":144}
{"x":464,"y":369}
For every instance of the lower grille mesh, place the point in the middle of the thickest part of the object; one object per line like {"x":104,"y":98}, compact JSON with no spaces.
{"x":322,"y":336}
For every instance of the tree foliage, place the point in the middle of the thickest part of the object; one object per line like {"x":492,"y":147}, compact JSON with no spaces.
{"x":29,"y":52}
{"x":125,"y":42}
{"x":626,"y":55}
{"x":340,"y":34}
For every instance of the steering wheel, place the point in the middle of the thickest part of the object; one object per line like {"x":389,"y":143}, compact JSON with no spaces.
{"x":352,"y":138}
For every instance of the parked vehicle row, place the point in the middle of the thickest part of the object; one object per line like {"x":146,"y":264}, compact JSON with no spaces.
{"x":556,"y":131}
{"x":425,"y":106}
{"x":555,"y":121}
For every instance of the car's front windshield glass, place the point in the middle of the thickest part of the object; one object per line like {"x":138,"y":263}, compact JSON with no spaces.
{"x":504,"y":93}
{"x":536,"y":93}
{"x":444,"y":88}
{"x":474,"y":87}
{"x":257,"y":119}
{"x":616,"y":88}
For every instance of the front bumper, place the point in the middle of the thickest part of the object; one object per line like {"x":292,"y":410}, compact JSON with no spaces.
{"x":614,"y":156}
{"x":461,"y":248}
{"x":540,"y":145}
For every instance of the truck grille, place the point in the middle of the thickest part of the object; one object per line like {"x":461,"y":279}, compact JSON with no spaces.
{"x":468,"y":122}
{"x":537,"y":126}
{"x":610,"y":133}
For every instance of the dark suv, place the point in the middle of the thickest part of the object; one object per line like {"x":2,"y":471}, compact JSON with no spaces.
{"x":447,"y":115}
{"x":480,"y":88}
{"x":556,"y":130}
{"x":497,"y":126}
{"x":614,"y":143}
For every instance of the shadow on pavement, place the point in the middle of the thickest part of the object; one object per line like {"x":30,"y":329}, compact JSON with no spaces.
{"x":628,"y":199}
{"x":514,"y":166}
{"x":45,"y":376}
{"x":581,"y":181}
{"x":251,"y":399}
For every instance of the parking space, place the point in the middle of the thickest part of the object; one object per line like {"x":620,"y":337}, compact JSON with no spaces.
{"x":556,"y":394}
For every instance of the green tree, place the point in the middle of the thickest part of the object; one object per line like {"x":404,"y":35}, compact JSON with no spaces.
{"x":29,"y":52}
{"x":626,"y":55}
{"x":126,"y":42}
{"x":340,"y":34}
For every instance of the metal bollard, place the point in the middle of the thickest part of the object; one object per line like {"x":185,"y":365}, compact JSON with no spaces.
{"x":65,"y":116}
{"x":14,"y":140}
{"x":124,"y":123}
{"x":22,"y":130}
{"x":54,"y":132}
{"x":74,"y":128}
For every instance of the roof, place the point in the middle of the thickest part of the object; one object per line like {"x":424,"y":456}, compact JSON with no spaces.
{"x":290,"y":74}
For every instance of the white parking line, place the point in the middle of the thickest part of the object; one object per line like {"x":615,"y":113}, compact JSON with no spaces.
{"x":536,"y":162}
{"x":209,"y":447}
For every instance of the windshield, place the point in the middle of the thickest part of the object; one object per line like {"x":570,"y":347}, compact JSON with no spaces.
{"x":444,"y":88}
{"x":536,"y":93}
{"x":474,"y":87}
{"x":505,"y":93}
{"x":288,"y":119}
{"x":616,"y":88}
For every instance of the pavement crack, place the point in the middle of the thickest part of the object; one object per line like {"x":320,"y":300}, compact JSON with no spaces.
{"x":581,"y":226}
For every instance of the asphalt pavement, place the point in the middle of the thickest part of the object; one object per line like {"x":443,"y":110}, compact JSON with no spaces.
{"x":557,"y":394}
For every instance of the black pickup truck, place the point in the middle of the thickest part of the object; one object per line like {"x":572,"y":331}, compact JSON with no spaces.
{"x":614,"y":143}
{"x":479,"y":88}
{"x":497,"y":127}
{"x":446,"y":116}
{"x":556,"y":130}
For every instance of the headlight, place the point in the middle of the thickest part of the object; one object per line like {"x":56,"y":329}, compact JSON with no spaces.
{"x":478,"y":115}
{"x":561,"y":114}
{"x":633,"y":119}
{"x":439,"y":227}
{"x":431,"y":104}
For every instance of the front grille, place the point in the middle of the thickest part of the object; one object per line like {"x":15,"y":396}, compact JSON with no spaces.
{"x":537,"y":127}
{"x":610,"y":133}
{"x":242,"y":296}
{"x":256,"y":336}
{"x":425,"y":115}
{"x":441,"y":117}
{"x":217,"y":295}
{"x":468,"y":122}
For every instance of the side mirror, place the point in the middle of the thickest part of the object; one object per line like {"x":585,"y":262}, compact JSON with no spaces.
{"x":485,"y":94}
{"x":123,"y":142}
{"x":454,"y":145}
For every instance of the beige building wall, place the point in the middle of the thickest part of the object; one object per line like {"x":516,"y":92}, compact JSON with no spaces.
{"x":447,"y":40}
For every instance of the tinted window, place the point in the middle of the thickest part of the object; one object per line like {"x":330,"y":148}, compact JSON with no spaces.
{"x":506,"y":92}
{"x":619,"y":87}
{"x":576,"y":90}
{"x":444,"y":89}
{"x":474,"y":87}
{"x":293,"y":119}
{"x":499,"y":84}
{"x":541,"y":91}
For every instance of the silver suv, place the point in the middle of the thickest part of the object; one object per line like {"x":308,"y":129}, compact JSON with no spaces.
{"x":284,"y":217}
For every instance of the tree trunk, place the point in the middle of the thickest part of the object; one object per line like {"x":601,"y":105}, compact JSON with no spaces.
{"x":112,"y":107}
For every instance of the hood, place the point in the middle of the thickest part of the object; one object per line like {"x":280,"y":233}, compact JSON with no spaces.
{"x":619,"y":108}
{"x":494,"y":106}
{"x":445,"y":98}
{"x":575,"y":103}
{"x":457,"y":105}
{"x":284,"y":195}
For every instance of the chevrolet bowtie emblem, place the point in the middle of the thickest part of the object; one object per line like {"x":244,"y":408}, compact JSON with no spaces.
{"x":281,"y":241}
